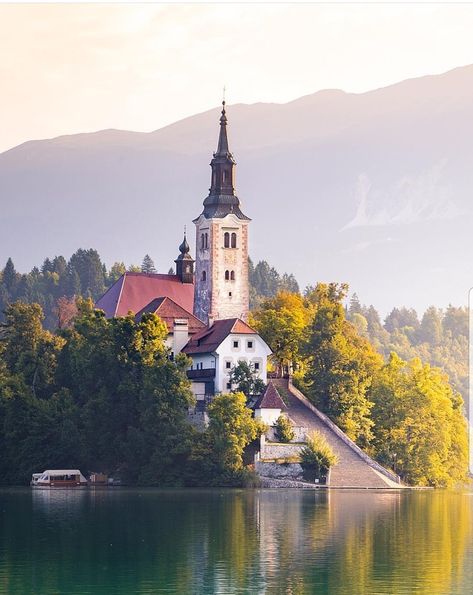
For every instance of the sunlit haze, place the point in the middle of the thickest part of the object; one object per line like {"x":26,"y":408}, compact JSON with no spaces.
{"x":77,"y":68}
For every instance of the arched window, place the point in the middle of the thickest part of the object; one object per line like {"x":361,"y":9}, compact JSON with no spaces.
{"x":234,"y":240}
{"x":226,"y":240}
{"x":202,"y":242}
{"x":227,"y":275}
{"x":232,"y":276}
{"x":206,"y":240}
{"x":204,"y":276}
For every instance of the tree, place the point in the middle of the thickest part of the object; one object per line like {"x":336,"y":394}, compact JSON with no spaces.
{"x":245,"y":379}
{"x":284,"y":429}
{"x":231,"y":428}
{"x":340,"y":365}
{"x":118,"y":269}
{"x":430,"y":330}
{"x":89,"y":269}
{"x":355,"y":306}
{"x":281,"y":322}
{"x":10,"y":277}
{"x":133,"y":399}
{"x":66,"y":311}
{"x":30,"y":353}
{"x":419,"y":427}
{"x":317,"y":455}
{"x":399,"y":318}
{"x":147,"y":265}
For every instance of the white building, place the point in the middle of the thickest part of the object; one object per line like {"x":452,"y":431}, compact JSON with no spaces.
{"x":217,"y":349}
{"x":269,"y":406}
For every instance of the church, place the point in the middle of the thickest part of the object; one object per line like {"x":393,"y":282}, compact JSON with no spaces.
{"x":205,"y":304}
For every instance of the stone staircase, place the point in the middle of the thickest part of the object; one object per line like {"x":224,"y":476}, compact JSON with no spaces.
{"x":355,"y":468}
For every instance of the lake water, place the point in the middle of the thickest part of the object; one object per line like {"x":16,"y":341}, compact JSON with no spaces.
{"x":122,"y":541}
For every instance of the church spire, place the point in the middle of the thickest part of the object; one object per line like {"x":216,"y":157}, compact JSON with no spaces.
{"x":222,"y":199}
{"x":222,"y":148}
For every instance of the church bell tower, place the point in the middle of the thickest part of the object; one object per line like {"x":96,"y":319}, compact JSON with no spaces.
{"x":221,"y":275}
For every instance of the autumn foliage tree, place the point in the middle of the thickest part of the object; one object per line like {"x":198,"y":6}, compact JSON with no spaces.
{"x":419,"y":428}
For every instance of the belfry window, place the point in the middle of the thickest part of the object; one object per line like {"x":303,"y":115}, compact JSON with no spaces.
{"x":234,"y":238}
{"x":202,"y":242}
{"x":226,"y":240}
{"x":227,"y":275}
{"x":206,"y":241}
{"x":232,"y":276}
{"x":204,"y":276}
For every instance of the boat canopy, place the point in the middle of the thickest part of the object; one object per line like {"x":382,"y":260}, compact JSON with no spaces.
{"x":50,"y":473}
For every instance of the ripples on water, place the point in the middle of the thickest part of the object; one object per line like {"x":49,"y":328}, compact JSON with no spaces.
{"x":292,"y":542}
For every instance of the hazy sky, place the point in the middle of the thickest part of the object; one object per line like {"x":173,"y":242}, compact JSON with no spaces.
{"x":77,"y":68}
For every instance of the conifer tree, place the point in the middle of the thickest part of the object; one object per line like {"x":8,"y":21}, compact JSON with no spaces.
{"x":147,"y":266}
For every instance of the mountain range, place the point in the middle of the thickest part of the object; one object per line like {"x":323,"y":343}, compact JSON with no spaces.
{"x":374,"y":189}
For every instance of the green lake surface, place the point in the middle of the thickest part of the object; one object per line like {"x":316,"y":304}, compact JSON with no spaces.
{"x":126,"y":541}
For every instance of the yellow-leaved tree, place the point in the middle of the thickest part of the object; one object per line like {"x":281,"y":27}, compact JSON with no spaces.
{"x":419,"y":427}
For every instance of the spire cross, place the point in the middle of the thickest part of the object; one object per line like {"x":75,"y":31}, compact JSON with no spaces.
{"x":223,"y":95}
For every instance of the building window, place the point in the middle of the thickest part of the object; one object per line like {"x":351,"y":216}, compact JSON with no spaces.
{"x":234,"y":243}
{"x":227,"y":275}
{"x":206,"y":241}
{"x":236,"y":344}
{"x":229,"y":294}
{"x":256,"y":364}
{"x":250,"y":344}
{"x":204,"y":276}
{"x":228,"y":365}
{"x":226,"y":240}
{"x":202,"y":242}
{"x":229,"y":386}
{"x":232,"y":276}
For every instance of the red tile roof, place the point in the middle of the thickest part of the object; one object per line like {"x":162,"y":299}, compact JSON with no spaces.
{"x":270,"y":399}
{"x":168,"y":311}
{"x":134,"y":291}
{"x":207,"y":340}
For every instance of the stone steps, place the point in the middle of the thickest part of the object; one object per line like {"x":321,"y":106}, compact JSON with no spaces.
{"x":352,"y":471}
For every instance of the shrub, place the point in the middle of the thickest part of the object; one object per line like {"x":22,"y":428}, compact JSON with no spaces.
{"x":284,"y":430}
{"x":317,"y":454}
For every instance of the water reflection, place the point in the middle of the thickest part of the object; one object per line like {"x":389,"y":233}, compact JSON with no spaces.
{"x":290,"y":542}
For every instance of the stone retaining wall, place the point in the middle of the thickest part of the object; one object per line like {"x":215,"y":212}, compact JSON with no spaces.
{"x":279,"y":471}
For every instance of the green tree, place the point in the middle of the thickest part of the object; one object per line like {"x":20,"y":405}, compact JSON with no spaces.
{"x":147,"y":266}
{"x":10,"y":277}
{"x":340,"y":365}
{"x":318,"y":455}
{"x":284,"y":429}
{"x":90,"y":270}
{"x":118,"y":269}
{"x":244,"y":378}
{"x":231,"y":428}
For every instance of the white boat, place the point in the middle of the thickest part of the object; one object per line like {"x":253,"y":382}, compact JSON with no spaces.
{"x":58,"y":478}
